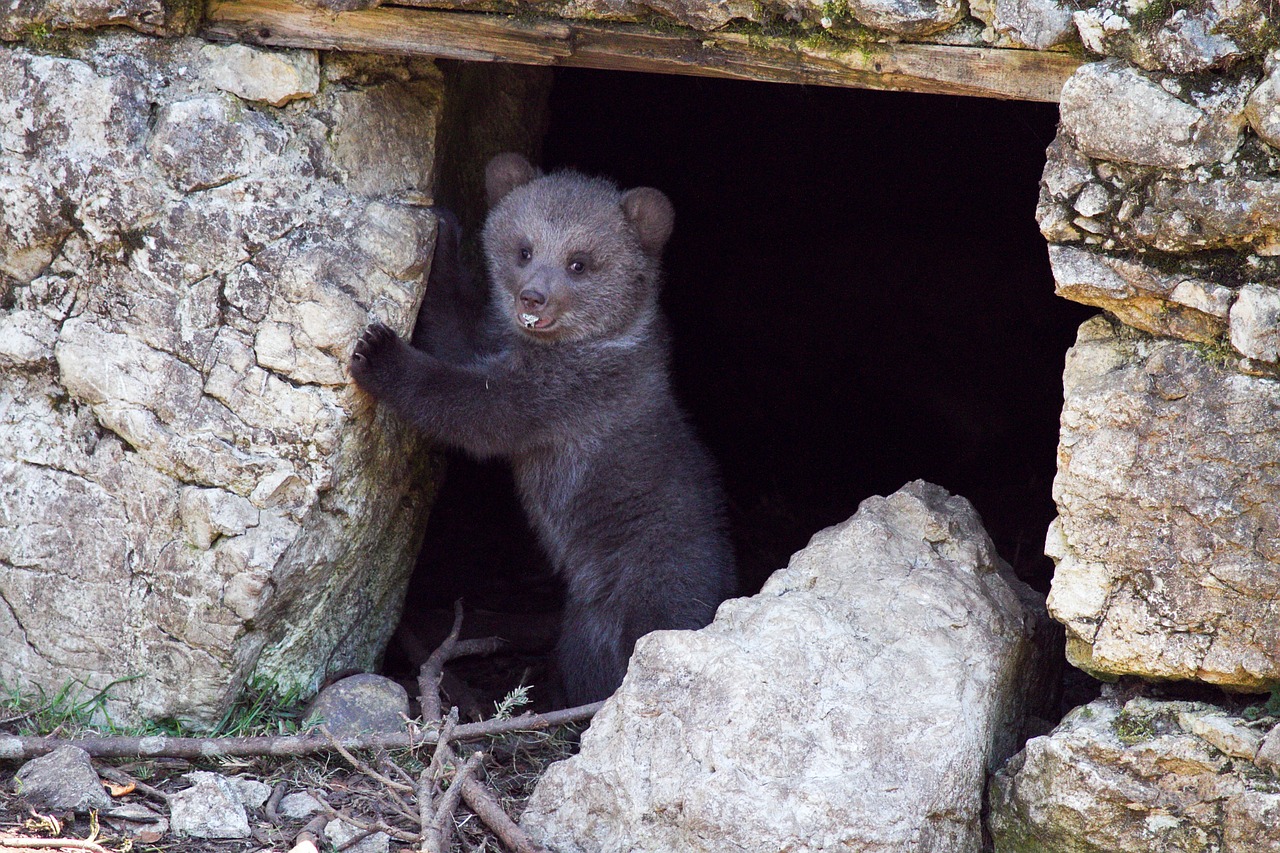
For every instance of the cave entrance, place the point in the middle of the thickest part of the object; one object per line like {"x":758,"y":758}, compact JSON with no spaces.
{"x":859,"y":296}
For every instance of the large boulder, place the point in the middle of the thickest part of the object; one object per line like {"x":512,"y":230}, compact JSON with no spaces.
{"x":857,"y":702}
{"x":191,"y":492}
{"x":1138,"y":776}
{"x":1167,"y":539}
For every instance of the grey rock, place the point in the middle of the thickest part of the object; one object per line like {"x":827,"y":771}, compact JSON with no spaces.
{"x":1115,"y":112}
{"x":788,"y":723}
{"x":1129,"y":779}
{"x":340,"y":832}
{"x":361,"y":703}
{"x":1263,"y":108}
{"x":907,"y":17}
{"x":1268,"y":755}
{"x":23,"y":18}
{"x":275,"y":77}
{"x":1166,"y":542}
{"x":298,"y":805}
{"x":1255,"y":322}
{"x":1202,"y":36}
{"x":1157,"y":301}
{"x":1186,"y":213}
{"x":251,"y":793}
{"x":1226,"y":734}
{"x":62,"y":779}
{"x":210,"y":808}
{"x":1037,"y":24}
{"x":211,"y":140}
{"x":189,"y":468}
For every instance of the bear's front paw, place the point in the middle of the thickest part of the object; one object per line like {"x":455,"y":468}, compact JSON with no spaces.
{"x":375,"y":358}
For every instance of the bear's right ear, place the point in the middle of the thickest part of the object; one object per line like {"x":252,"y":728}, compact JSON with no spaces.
{"x":504,"y":173}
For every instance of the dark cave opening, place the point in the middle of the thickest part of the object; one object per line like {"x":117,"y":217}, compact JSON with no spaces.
{"x":859,"y":296}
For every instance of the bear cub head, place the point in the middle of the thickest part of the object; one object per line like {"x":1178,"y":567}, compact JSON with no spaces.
{"x":571,"y":257}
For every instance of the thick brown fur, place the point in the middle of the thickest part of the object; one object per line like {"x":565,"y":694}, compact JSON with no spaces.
{"x":566,"y":375}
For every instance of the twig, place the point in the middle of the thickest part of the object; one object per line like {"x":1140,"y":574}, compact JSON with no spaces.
{"x":23,"y":748}
{"x":436,"y":836}
{"x":273,"y":804}
{"x":373,"y":826}
{"x":308,"y":840}
{"x":118,"y":776}
{"x":51,"y":844}
{"x":489,"y":810}
{"x":363,"y":767}
{"x":432,"y":670}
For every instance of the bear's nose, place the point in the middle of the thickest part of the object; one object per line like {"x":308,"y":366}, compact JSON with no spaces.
{"x":531,"y":299}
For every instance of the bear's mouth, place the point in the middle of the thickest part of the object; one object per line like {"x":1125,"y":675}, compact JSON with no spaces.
{"x":535,"y":323}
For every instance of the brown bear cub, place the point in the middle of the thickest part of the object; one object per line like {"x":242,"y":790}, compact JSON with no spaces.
{"x":566,"y":375}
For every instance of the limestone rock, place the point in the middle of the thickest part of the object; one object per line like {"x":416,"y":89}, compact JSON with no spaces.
{"x":340,"y":832}
{"x":1167,"y":542}
{"x":37,"y":18}
{"x":359,"y":704}
{"x":210,"y":808}
{"x":299,"y":805}
{"x":271,"y":76}
{"x":1115,"y":112}
{"x":1037,"y":24}
{"x":63,"y":779}
{"x":1159,"y":302}
{"x":856,"y":702}
{"x":1255,"y":322}
{"x":1263,"y":108}
{"x":1200,"y":36}
{"x":1268,"y":755}
{"x":907,"y":17}
{"x":184,"y":466}
{"x":1187,"y":214}
{"x":1129,"y":778}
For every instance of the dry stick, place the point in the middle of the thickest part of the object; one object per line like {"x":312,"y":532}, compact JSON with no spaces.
{"x":50,"y":844}
{"x":273,"y":804}
{"x":23,"y":748}
{"x":372,"y":826}
{"x":489,"y":810}
{"x":433,"y":668}
{"x":437,"y":836}
{"x":363,"y":767}
{"x":308,"y":840}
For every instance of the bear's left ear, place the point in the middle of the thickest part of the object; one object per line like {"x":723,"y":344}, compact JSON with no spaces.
{"x":651,"y":215}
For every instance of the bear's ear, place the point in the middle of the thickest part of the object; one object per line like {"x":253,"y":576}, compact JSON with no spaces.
{"x":651,"y":215}
{"x":504,"y":173}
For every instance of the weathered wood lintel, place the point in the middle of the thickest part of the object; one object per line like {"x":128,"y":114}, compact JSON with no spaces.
{"x":939,"y":69}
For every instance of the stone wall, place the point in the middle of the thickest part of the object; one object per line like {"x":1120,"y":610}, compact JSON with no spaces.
{"x":192,"y":235}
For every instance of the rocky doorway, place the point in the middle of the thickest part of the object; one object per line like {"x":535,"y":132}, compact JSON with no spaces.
{"x":860,"y":297}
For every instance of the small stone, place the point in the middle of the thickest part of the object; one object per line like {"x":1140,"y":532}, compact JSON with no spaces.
{"x":256,"y":74}
{"x":1255,"y":322}
{"x":360,"y":704}
{"x":135,"y":820}
{"x":907,"y":17}
{"x":298,"y":805}
{"x":1235,"y":740}
{"x":339,"y":833}
{"x":253,"y":794}
{"x":210,"y":808}
{"x":63,"y":779}
{"x":1268,"y":757}
{"x":1093,"y":200}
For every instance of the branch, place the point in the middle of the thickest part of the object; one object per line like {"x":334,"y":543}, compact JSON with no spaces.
{"x":433,"y":668}
{"x":489,"y":810}
{"x":50,"y":844}
{"x":437,"y":835}
{"x":25,"y":748}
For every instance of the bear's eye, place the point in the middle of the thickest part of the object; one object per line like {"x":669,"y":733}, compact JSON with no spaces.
{"x":577,"y":266}
{"x":526,"y":254}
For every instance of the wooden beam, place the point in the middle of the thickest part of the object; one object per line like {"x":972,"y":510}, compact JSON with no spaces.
{"x":986,"y":72}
